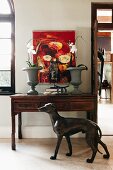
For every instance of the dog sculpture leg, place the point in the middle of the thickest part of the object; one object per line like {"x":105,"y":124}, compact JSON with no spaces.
{"x":69,"y":146}
{"x":94,"y":150}
{"x":93,"y":156}
{"x":107,"y":155}
{"x":57,"y":147}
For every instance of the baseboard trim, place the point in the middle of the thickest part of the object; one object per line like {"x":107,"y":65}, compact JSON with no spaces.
{"x":42,"y":132}
{"x":33,"y":132}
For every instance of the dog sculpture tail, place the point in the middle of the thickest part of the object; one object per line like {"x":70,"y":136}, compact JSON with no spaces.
{"x":100,"y":132}
{"x":99,"y":138}
{"x":98,"y":129}
{"x":100,"y":135}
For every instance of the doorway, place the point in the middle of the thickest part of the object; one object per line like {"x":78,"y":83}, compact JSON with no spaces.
{"x":104,"y":64}
{"x":103,"y":13}
{"x":105,"y":106}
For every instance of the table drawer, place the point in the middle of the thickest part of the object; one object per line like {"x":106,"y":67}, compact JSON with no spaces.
{"x":78,"y":106}
{"x":82,"y":106}
{"x":28,"y":107}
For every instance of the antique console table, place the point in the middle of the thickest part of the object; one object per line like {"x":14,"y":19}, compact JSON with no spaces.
{"x":29,"y":103}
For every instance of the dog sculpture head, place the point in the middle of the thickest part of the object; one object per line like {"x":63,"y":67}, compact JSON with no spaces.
{"x":49,"y":108}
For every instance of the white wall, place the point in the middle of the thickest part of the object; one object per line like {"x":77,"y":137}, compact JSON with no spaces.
{"x":46,"y":15}
{"x":52,"y":15}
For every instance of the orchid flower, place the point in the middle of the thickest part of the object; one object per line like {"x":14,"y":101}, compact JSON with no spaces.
{"x":31,"y":52}
{"x":72,"y":48}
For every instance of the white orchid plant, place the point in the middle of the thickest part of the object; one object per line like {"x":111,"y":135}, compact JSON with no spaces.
{"x":31,"y":51}
{"x":73,"y":49}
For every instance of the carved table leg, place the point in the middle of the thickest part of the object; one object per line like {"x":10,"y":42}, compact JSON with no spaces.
{"x":13,"y":132}
{"x":92,"y":115}
{"x":88,"y":115}
{"x":19,"y":126}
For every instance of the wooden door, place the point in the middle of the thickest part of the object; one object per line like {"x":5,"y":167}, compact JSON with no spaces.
{"x":94,"y":81}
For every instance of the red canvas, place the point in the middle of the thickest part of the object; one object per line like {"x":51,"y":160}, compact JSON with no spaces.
{"x":53,"y":54}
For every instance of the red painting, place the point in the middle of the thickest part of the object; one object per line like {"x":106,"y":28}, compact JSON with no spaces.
{"x":53,"y":54}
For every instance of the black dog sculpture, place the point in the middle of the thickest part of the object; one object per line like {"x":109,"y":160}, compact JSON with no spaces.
{"x":69,"y":126}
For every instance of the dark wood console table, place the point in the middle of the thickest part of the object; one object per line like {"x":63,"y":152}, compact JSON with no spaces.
{"x":29,"y":103}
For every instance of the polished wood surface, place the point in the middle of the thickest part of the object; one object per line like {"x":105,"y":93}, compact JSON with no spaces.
{"x":30,"y":103}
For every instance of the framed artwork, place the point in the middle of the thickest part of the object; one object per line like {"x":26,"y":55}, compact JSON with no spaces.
{"x":53,"y":54}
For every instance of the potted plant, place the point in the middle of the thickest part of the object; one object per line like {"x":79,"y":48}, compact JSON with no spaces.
{"x":32,"y":70}
{"x":75,"y":72}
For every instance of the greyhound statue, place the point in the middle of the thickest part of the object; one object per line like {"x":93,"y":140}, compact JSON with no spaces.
{"x":69,"y":126}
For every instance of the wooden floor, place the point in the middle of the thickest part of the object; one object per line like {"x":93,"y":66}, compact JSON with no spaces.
{"x":105,"y":116}
{"x":34,"y":154}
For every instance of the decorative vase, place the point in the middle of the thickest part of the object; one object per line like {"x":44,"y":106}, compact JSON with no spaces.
{"x":32,"y":76}
{"x":75,"y":73}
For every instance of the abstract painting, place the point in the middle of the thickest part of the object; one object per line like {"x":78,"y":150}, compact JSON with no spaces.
{"x":53,"y":54}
